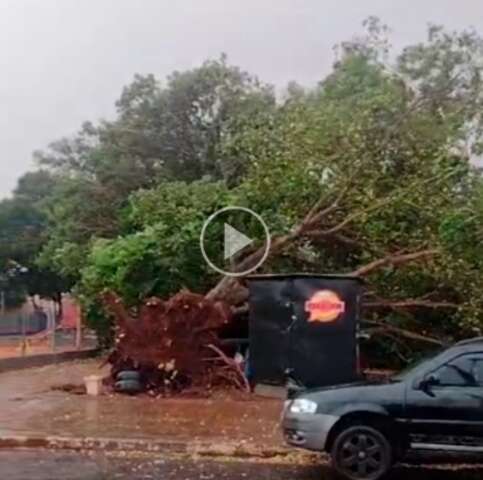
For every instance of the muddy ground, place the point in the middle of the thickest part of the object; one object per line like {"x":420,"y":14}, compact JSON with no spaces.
{"x":30,"y":402}
{"x":45,"y":465}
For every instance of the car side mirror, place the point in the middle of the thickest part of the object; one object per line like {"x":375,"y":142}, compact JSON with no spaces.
{"x":429,"y":381}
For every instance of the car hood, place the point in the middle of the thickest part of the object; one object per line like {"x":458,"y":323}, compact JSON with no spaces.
{"x":364,"y":392}
{"x":343,"y":386}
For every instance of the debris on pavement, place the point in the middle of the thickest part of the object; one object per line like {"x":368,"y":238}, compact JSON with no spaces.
{"x":70,"y":388}
{"x":93,"y":384}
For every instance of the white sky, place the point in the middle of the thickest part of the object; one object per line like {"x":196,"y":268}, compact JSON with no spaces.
{"x":65,"y":61}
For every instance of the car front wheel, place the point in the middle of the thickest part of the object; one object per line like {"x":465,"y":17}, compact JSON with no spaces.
{"x":361,"y":453}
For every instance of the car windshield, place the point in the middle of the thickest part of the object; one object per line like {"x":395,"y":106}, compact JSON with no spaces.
{"x":413,"y":366}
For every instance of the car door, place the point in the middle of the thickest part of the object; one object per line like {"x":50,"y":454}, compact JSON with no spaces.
{"x":452,"y":406}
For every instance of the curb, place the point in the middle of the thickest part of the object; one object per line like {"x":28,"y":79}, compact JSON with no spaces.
{"x":207,"y":449}
{"x":41,"y":360}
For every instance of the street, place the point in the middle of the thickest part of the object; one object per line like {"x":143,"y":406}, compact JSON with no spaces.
{"x":50,"y":465}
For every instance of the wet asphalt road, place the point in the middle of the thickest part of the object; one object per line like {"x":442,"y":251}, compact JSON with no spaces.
{"x":44,"y":465}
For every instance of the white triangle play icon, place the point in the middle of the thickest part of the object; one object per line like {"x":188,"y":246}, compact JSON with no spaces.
{"x":234,"y":241}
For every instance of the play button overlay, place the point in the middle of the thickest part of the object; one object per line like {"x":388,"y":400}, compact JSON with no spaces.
{"x":235,"y":241}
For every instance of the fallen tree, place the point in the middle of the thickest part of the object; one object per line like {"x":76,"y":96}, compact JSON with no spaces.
{"x":173,"y":344}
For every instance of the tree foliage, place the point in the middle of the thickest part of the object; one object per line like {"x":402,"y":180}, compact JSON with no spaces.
{"x":370,"y":172}
{"x":161,"y":133}
{"x":22,"y":235}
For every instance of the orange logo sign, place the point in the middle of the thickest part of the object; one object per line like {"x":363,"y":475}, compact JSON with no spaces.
{"x":324,"y":306}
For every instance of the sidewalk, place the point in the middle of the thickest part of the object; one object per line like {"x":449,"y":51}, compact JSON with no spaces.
{"x":33,"y":414}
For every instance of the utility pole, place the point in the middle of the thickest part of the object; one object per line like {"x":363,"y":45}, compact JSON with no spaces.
{"x":51,"y":325}
{"x":78,"y":331}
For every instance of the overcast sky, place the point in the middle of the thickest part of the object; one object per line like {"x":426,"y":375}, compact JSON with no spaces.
{"x":65,"y":61}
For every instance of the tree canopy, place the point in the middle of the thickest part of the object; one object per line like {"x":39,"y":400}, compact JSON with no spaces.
{"x":371,"y":172}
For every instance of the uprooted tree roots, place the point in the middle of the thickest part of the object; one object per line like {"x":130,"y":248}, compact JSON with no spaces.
{"x":174,"y":344}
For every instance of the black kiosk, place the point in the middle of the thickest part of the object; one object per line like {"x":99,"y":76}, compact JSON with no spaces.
{"x":306,"y":324}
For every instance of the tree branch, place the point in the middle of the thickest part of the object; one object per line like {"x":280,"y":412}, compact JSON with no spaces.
{"x":315,"y":215}
{"x":307,"y":227}
{"x":394,"y":259}
{"x":231,"y":364}
{"x":277,"y":244}
{"x":350,"y":218}
{"x":383,"y":328}
{"x":410,"y":303}
{"x":340,"y":238}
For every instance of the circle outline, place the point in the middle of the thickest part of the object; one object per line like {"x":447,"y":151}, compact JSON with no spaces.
{"x":268,"y":241}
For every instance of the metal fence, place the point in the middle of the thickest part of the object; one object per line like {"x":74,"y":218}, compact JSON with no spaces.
{"x":19,"y":322}
{"x":38,"y":327}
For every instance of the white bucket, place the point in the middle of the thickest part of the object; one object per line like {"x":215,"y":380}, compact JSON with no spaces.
{"x":93,"y":385}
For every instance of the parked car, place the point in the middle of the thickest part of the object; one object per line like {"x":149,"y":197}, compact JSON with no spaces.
{"x":367,"y":427}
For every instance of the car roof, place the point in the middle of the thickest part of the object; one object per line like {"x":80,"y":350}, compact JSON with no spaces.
{"x":472,"y":345}
{"x":470,"y":341}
